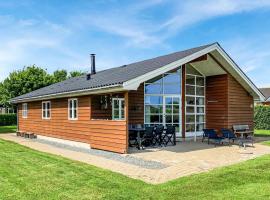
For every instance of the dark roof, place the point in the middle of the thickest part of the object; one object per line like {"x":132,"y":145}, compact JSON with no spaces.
{"x":111,"y":76}
{"x":266,"y":92}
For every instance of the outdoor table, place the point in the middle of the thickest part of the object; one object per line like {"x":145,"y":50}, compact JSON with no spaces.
{"x":242,"y":139}
{"x":139,"y":138}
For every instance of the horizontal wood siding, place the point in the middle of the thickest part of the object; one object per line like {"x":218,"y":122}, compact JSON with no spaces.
{"x":100,"y":134}
{"x":217,"y":101}
{"x":241,"y":109}
{"x":136,"y":106}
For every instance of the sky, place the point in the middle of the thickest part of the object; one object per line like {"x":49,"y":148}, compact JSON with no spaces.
{"x":60,"y":34}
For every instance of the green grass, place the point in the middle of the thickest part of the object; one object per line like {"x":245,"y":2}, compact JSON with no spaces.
{"x":29,"y":174}
{"x":262,"y":132}
{"x":8,"y":129}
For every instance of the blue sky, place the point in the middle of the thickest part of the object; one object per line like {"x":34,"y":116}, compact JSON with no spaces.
{"x":62,"y":34}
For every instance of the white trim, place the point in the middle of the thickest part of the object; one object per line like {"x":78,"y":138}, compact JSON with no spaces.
{"x":65,"y":142}
{"x":24,"y":111}
{"x":133,"y":84}
{"x":46,"y":109}
{"x":77,"y":110}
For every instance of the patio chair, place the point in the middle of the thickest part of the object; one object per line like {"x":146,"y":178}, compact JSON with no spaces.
{"x":228,"y":134}
{"x":169,"y":136}
{"x":132,"y":136}
{"x":148,"y":136}
{"x":211,"y":134}
{"x":158,"y":134}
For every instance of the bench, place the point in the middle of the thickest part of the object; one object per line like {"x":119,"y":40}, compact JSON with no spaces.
{"x":244,"y":134}
{"x":29,"y":135}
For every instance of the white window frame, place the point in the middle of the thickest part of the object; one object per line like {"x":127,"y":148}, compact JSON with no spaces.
{"x":73,"y":109}
{"x":46,"y":110}
{"x":121,"y":100}
{"x":24,"y":110}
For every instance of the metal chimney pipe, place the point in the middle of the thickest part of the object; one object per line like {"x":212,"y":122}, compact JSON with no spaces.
{"x":93,"y":64}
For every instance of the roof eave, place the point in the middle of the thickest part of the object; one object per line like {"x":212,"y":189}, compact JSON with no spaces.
{"x":83,"y":92}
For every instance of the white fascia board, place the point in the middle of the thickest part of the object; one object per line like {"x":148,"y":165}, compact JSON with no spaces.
{"x":135,"y":83}
{"x":240,"y":72}
{"x":105,"y":89}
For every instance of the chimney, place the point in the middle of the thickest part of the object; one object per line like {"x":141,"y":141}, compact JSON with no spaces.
{"x":93,"y":64}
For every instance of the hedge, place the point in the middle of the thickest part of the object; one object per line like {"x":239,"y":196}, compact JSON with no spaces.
{"x":8,"y":119}
{"x":262,"y":117}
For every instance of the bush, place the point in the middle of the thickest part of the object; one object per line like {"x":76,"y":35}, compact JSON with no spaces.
{"x":262,"y":117}
{"x":8,"y":119}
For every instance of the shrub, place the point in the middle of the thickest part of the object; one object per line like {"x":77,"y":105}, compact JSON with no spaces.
{"x":262,"y":117}
{"x":8,"y":119}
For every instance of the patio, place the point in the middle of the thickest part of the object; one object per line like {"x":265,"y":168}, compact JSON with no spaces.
{"x":156,"y":165}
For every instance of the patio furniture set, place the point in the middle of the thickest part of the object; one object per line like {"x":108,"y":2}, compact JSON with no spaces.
{"x":29,"y":135}
{"x":241,"y":133}
{"x":142,"y":136}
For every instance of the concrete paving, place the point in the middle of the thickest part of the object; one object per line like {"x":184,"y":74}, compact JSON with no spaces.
{"x":184,"y":159}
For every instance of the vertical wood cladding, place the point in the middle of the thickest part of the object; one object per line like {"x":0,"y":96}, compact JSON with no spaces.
{"x":227,"y":103}
{"x":136,"y":106}
{"x":100,"y":134}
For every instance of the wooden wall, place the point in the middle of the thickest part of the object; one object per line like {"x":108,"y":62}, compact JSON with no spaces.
{"x":136,"y":106}
{"x":227,"y":103}
{"x":241,"y":104}
{"x":108,"y":135}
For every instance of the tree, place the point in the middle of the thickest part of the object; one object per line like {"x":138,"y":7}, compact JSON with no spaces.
{"x":75,"y":74}
{"x":23,"y":81}
{"x":59,"y":75}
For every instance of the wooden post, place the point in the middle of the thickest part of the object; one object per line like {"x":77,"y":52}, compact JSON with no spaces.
{"x":183,"y":101}
{"x":126,"y":118}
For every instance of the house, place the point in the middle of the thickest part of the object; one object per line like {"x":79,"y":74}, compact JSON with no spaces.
{"x":266,"y":93}
{"x":5,"y":110}
{"x":193,"y":89}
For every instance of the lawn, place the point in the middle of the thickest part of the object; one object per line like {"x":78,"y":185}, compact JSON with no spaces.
{"x":262,"y":132}
{"x":8,"y":129}
{"x":29,"y":174}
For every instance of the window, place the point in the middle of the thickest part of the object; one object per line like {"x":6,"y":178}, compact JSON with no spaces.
{"x":24,"y":110}
{"x":73,"y":109}
{"x":46,"y":110}
{"x":118,"y":109}
{"x":195,"y":100}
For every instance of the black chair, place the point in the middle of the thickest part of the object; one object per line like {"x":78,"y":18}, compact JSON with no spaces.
{"x":132,"y":136}
{"x":148,"y":136}
{"x":228,"y":134}
{"x":169,"y":136}
{"x":211,"y":134}
{"x":158,"y":134}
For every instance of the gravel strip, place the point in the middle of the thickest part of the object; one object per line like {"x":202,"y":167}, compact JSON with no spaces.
{"x":109,"y":155}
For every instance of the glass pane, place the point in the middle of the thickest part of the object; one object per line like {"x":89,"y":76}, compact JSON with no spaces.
{"x":168,"y":109}
{"x":176,"y":109}
{"x":168,"y":100}
{"x":200,"y":91}
{"x":116,"y":114}
{"x":172,"y":78}
{"x":176,"y":119}
{"x":200,"y":81}
{"x":44,"y":113}
{"x":75,"y":103}
{"x":190,"y":80}
{"x":176,"y":100}
{"x":200,"y":118}
{"x":176,"y":128}
{"x":190,"y":100}
{"x":70,"y":113}
{"x":200,"y":109}
{"x":190,"y":109}
{"x":122,"y":114}
{"x":190,"y":127}
{"x":70,"y":104}
{"x":200,"y":101}
{"x":153,"y":100}
{"x":172,"y":89}
{"x":199,"y":127}
{"x":190,"y":118}
{"x":153,"y":89}
{"x":153,"y":109}
{"x":190,"y":90}
{"x":75,"y":113}
{"x":168,"y":119}
{"x":156,"y":80}
{"x":49,"y":106}
{"x":48,"y":113}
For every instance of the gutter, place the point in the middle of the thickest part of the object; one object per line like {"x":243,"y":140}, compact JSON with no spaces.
{"x":83,"y":92}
